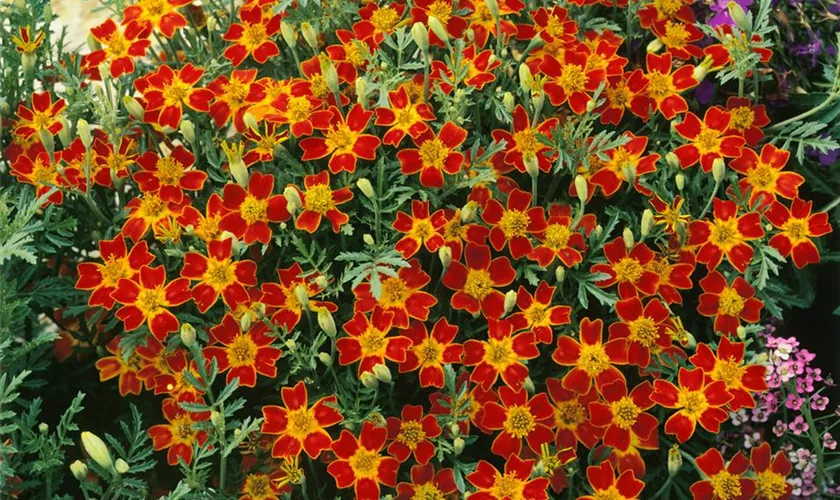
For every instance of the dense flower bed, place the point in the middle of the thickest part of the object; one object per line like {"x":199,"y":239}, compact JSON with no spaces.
{"x":427,"y":250}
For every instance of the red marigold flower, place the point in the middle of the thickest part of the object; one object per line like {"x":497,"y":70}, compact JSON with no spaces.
{"x":344,"y":141}
{"x":770,"y":473}
{"x":727,"y":235}
{"x":350,"y":55}
{"x":573,"y":80}
{"x":797,"y":226}
{"x":708,"y":140}
{"x":167,"y":92}
{"x":218,"y":274}
{"x":664,"y":86}
{"x":299,"y":109}
{"x":720,"y":54}
{"x":747,"y":119}
{"x":263,"y":141}
{"x":518,"y":418}
{"x":627,"y":269}
{"x":173,"y":377}
{"x":179,"y":435}
{"x":695,"y":401}
{"x":552,"y":25}
{"x":369,"y":343}
{"x":591,"y":358}
{"x":420,"y":229}
{"x":117,"y":263}
{"x":627,"y":91}
{"x":763,"y":175}
{"x":669,"y":215}
{"x":127,"y":369}
{"x":478,"y":68}
{"x":377,"y":20}
{"x":727,"y":364}
{"x":249,"y":212}
{"x":444,"y":11}
{"x":245,"y":354}
{"x":314,"y":79}
{"x":603,"y":481}
{"x":515,"y":482}
{"x":571,"y":416}
{"x":252,"y":36}
{"x":411,"y":434}
{"x":723,"y":480}
{"x":44,"y":115}
{"x":523,"y":142}
{"x":559,"y":240}
{"x":680,"y":10}
{"x":169,"y":176}
{"x":401,"y":294}
{"x":161,"y":15}
{"x":623,"y":415}
{"x":119,"y":47}
{"x":673,"y":275}
{"x":404,"y":117}
{"x":319,"y":200}
{"x":537,"y":314}
{"x":476,"y":283}
{"x":643,"y":327}
{"x":513,"y":224}
{"x":282,"y":300}
{"x":360,"y":462}
{"x":500,"y":355}
{"x":148,"y":301}
{"x":430,"y":351}
{"x":206,"y":226}
{"x":108,"y":162}
{"x":262,"y":486}
{"x":298,"y":425}
{"x":25,"y":44}
{"x":483,"y":23}
{"x":626,"y":163}
{"x":435,"y":155}
{"x":152,"y":354}
{"x":233,"y":96}
{"x":678,"y":38}
{"x":728,"y":303}
{"x":425,"y":481}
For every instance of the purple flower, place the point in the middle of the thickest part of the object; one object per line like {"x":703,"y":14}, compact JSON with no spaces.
{"x":720,"y":7}
{"x":798,"y":426}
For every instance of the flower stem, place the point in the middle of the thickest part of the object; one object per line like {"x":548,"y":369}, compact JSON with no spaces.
{"x":664,"y":489}
{"x":828,"y":100}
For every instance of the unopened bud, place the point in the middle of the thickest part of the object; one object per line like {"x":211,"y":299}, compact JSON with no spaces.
{"x":510,"y":301}
{"x":690,"y":341}
{"x":133,"y":107}
{"x":458,"y":445}
{"x":293,"y":201}
{"x":238,"y":169}
{"x":739,"y":17}
{"x":674,"y":460}
{"x":211,"y":24}
{"x":121,"y":466}
{"x":654,"y":46}
{"x":420,"y":34}
{"x":368,"y":239}
{"x":526,"y":79}
{"x":468,"y":213}
{"x":245,"y":322}
{"x":330,"y":76}
{"x":369,"y":380}
{"x":326,"y":322}
{"x":741,"y":332}
{"x":383,"y":374}
{"x":288,"y":32}
{"x":187,"y":129}
{"x":581,"y":188}
{"x":454,"y":429}
{"x":43,"y":428}
{"x":302,"y":296}
{"x":251,"y":122}
{"x":79,"y":470}
{"x":445,"y":256}
{"x":321,"y":281}
{"x":290,"y":344}
{"x":718,"y":170}
{"x":310,"y":35}
{"x":187,"y":334}
{"x":438,"y":29}
{"x":680,"y":181}
{"x":365,"y":187}
{"x":700,"y":72}
{"x":627,"y":236}
{"x":528,"y":385}
{"x":673,"y":160}
{"x":590,"y":105}
{"x":96,"y":449}
{"x":647,"y":222}
{"x":509,"y":102}
{"x":532,"y":164}
{"x":599,"y":230}
{"x":325,"y":359}
{"x":216,"y":418}
{"x":361,"y":91}
{"x":560,"y":274}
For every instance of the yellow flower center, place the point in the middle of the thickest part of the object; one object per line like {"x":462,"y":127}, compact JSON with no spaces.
{"x":176,"y":93}
{"x":742,"y":118}
{"x":519,"y":422}
{"x":373,"y":342}
{"x":618,"y":96}
{"x":219,"y":274}
{"x":573,"y":78}
{"x":610,"y":493}
{"x":341,"y":139}
{"x":499,"y":353}
{"x":763,"y":177}
{"x":770,"y":485}
{"x":726,"y":485}
{"x":593,"y":359}
{"x":526,"y":142}
{"x":253,"y":36}
{"x":257,"y":486}
{"x":117,"y":45}
{"x":675,"y":34}
{"x":478,"y":284}
{"x":427,"y":491}
{"x":384,"y":19}
{"x":434,"y":153}
{"x":182,"y":429}
{"x":242,"y":352}
{"x":320,"y":88}
{"x":644,"y":331}
{"x":569,"y":414}
{"x":508,"y":486}
{"x":660,"y":86}
{"x":151,"y":300}
{"x":235,"y":92}
{"x":411,"y":434}
{"x":319,"y":199}
{"x":298,"y":109}
{"x":422,"y":228}
{"x":725,"y":234}
{"x":394,"y":293}
{"x":514,"y":223}
{"x":301,"y":423}
{"x":428,"y":352}
{"x":667,"y":8}
{"x":482,"y":15}
{"x":796,"y":230}
{"x":537,"y":315}
{"x":554,"y":27}
{"x":730,"y":303}
{"x":253,"y":210}
{"x":625,"y":412}
{"x":693,"y":403}
{"x":628,"y":270}
{"x":441,"y":10}
{"x":557,"y":236}
{"x":208,"y":229}
{"x":708,"y":140}
{"x":152,"y":207}
{"x":365,"y":463}
{"x":114,"y":269}
{"x":169,"y":171}
{"x":729,"y":371}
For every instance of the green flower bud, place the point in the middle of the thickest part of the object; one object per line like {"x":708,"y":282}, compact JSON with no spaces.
{"x":438,"y":29}
{"x":445,"y":256}
{"x":187,"y":334}
{"x":121,"y":466}
{"x":365,"y":187}
{"x":718,"y":170}
{"x":383,"y":374}
{"x":369,"y":380}
{"x":326,"y":322}
{"x":647,"y":222}
{"x":288,"y":32}
{"x":627,"y":236}
{"x":79,"y":470}
{"x":582,"y":189}
{"x":96,"y":449}
{"x":293,"y":200}
{"x":674,"y":460}
{"x":187,"y":129}
{"x":310,"y":34}
{"x":420,"y":34}
{"x":325,"y":359}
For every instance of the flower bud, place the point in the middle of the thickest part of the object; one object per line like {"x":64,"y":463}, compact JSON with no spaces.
{"x":673,"y":160}
{"x":674,"y":460}
{"x":700,"y":72}
{"x":647,"y":222}
{"x":330,"y":75}
{"x":538,"y":99}
{"x":326,"y":322}
{"x":509,"y":102}
{"x":741,"y":332}
{"x":43,"y":428}
{"x":361,"y":91}
{"x":420,"y":34}
{"x":96,"y":449}
{"x":121,"y":466}
{"x":238,"y":169}
{"x":718,"y":170}
{"x":627,"y":236}
{"x":302,"y":296}
{"x":211,"y":24}
{"x":582,"y":189}
{"x":458,"y":445}
{"x":654,"y":46}
{"x":288,"y":32}
{"x":560,"y":274}
{"x":383,"y":374}
{"x":468,"y":212}
{"x":532,"y":164}
{"x":526,"y":79}
{"x":528,"y":385}
{"x":187,"y":129}
{"x":133,"y":106}
{"x":690,"y":341}
{"x":599,"y":230}
{"x":310,"y":34}
{"x":187,"y":334}
{"x":293,"y":201}
{"x":438,"y":29}
{"x":28,"y":60}
{"x":216,"y":418}
{"x":454,"y":429}
{"x":245,"y":322}
{"x":79,"y":470}
{"x":365,"y":187}
{"x":251,"y":122}
{"x":369,"y":380}
{"x":590,"y":105}
{"x":321,"y":281}
{"x":493,"y":7}
{"x":64,"y":133}
{"x":510,"y":301}
{"x":739,"y":17}
{"x":680,"y":181}
{"x":445,"y":256}
{"x":325,"y":359}
{"x":368,"y":239}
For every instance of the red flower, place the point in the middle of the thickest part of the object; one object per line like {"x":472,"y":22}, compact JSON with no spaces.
{"x":763,"y":175}
{"x":444,"y":11}
{"x":707,"y":140}
{"x":747,"y":119}
{"x":518,"y":418}
{"x":571,"y":416}
{"x":573,"y":80}
{"x":319,"y":200}
{"x":695,"y":401}
{"x":478,"y":67}
{"x":559,"y":240}
{"x":108,"y":162}
{"x":245,"y":354}
{"x":627,"y":91}
{"x":513,"y":224}
{"x":435,"y":155}
{"x":483,"y":22}
{"x":411,"y":434}
{"x":665,"y":85}
{"x":591,"y":358}
{"x":360,"y":463}
{"x":169,"y":176}
{"x":127,"y":369}
{"x":205,"y":227}
{"x":679,"y":38}
{"x":420,"y":229}
{"x":426,"y":483}
{"x":537,"y":314}
{"x":263,"y":143}
{"x":368,"y":341}
{"x":475,"y":284}
{"x":728,"y":365}
{"x":500,"y":355}
{"x":673,"y":276}
{"x":492,"y":485}
{"x":119,"y":47}
{"x":404,"y":117}
{"x":148,"y":211}
{"x":44,"y":115}
{"x":623,"y":415}
{"x":626,"y":164}
{"x":233,"y":96}
{"x":377,"y":20}
{"x":252,"y":37}
{"x":282,"y":299}
{"x":552,"y":25}
{"x":797,"y":226}
{"x":727,"y":235}
{"x":627,"y":269}
{"x":161,"y":15}
{"x":167,"y":92}
{"x":643,"y":327}
{"x":117,"y":263}
{"x":218,"y":274}
{"x":728,"y":303}
{"x":249,"y":212}
{"x":149,"y":299}
{"x":602,"y":479}
{"x":430,"y":351}
{"x":523,"y":142}
{"x":299,"y":426}
{"x":401,"y":294}
{"x":724,"y":481}
{"x":344,"y":141}
{"x":179,"y":435}
{"x":771,"y":473}
{"x":172,"y":378}
{"x":298,"y":109}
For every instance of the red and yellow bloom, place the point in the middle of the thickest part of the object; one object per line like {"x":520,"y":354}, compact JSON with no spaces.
{"x":119,"y":47}
{"x":368,"y":341}
{"x":249,"y":212}
{"x":516,"y":481}
{"x":148,"y":300}
{"x":728,"y":303}
{"x":605,"y":485}
{"x":420,"y":229}
{"x":401,"y":295}
{"x":797,"y":225}
{"x":243,"y":354}
{"x":708,"y":140}
{"x":435,"y":154}
{"x":501,"y":355}
{"x":161,"y":15}
{"x":43,"y":115}
{"x":665,"y":86}
{"x":116,"y":365}
{"x":763,"y":175}
{"x":592,"y":358}
{"x":623,"y":414}
{"x":476,"y":283}
{"x":523,"y":143}
{"x":727,"y":364}
{"x":404,"y":117}
{"x":429,"y":351}
{"x":169,"y":176}
{"x":411,"y":434}
{"x":298,"y":425}
{"x":573,"y":80}
{"x":166,"y":92}
{"x":724,"y":480}
{"x":360,"y":462}
{"x":513,"y":224}
{"x":252,"y":36}
{"x":695,"y":401}
{"x":319,"y":200}
{"x":770,"y":473}
{"x":344,"y":141}
{"x":218,"y":274}
{"x":518,"y":418}
{"x":728,"y":235}
{"x":628,"y":269}
{"x":644,"y":327}
{"x":178,"y":435}
{"x":537,"y":314}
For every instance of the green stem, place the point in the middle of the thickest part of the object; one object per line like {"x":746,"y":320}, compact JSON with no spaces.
{"x":711,"y":199}
{"x":425,"y":75}
{"x":828,"y":100}
{"x":534,"y":179}
{"x":664,"y":489}
{"x":741,"y":87}
{"x":815,"y":442}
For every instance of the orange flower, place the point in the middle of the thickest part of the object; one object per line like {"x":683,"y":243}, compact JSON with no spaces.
{"x":117,"y":263}
{"x":626,"y":164}
{"x":127,"y":369}
{"x":602,"y":479}
{"x":108,"y":162}
{"x":723,"y":480}
{"x":265,"y":141}
{"x":519,"y":417}
{"x":401,"y":294}
{"x":475,"y":284}
{"x":747,"y":119}
{"x":592,"y":359}
{"x":483,"y":23}
{"x":763,"y":175}
{"x":179,"y":434}
{"x":420,"y":229}
{"x":537,"y":314}
{"x":319,"y":201}
{"x":797,"y":226}
{"x":516,"y":480}
{"x":727,"y":364}
{"x":628,"y":269}
{"x":119,"y":48}
{"x":500,"y":355}
{"x":44,"y":115}
{"x":512,"y":225}
{"x":625,"y":91}
{"x":169,"y":176}
{"x":728,"y":303}
{"x":284,"y":306}
{"x":674,"y":275}
{"x":252,"y":37}
{"x":360,"y":462}
{"x":425,"y":481}
{"x":233,"y":96}
{"x":623,"y":414}
{"x":377,"y":20}
{"x":435,"y":154}
{"x":559,"y":240}
{"x":404,"y":117}
{"x":523,"y":142}
{"x":665,"y":86}
{"x":25,"y":44}
{"x":369,"y":343}
{"x":695,"y":401}
{"x":643,"y":327}
{"x":727,"y":235}
{"x":261,"y":486}
{"x":707,"y":140}
{"x":44,"y":174}
{"x":205,"y":226}
{"x":173,"y":378}
{"x":249,"y":212}
{"x":344,"y":141}
{"x":218,"y":274}
{"x":770,"y":473}
{"x":161,"y":15}
{"x":571,"y":416}
{"x":244,"y":354}
{"x":444,"y":11}
{"x":476,"y":70}
{"x":552,"y":25}
{"x":148,"y":211}
{"x":299,"y":109}
{"x":411,"y":434}
{"x":167,"y":92}
{"x":679,"y":38}
{"x":430,"y":351}
{"x":149,"y":299}
{"x":571,"y":81}
{"x":299,"y":426}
